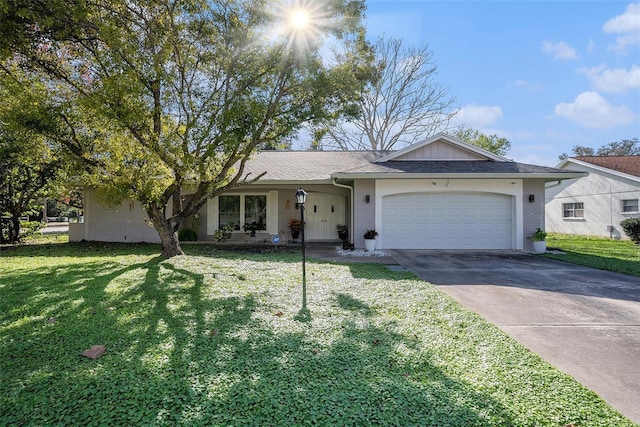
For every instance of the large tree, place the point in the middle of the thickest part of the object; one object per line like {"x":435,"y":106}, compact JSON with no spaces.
{"x":626,"y":147}
{"x":402,"y":103}
{"x":493,"y":143}
{"x":29,"y":163}
{"x":182,"y":92}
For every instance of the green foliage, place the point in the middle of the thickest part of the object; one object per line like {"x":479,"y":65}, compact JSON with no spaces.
{"x":187,"y":235}
{"x":626,"y":147}
{"x":631,"y":227}
{"x":620,"y":256}
{"x":213,"y":340}
{"x":29,"y":228}
{"x":29,"y":164}
{"x":492,"y":143}
{"x":539,"y":235}
{"x":155,"y":95}
{"x":225,"y":233}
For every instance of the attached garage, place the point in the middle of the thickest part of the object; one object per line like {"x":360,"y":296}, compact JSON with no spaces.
{"x":447,"y":221}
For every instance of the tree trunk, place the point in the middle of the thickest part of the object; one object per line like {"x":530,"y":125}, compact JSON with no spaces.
{"x":168,"y":232}
{"x":14,"y":230}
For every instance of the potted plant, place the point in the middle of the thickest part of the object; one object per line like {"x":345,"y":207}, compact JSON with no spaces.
{"x":294,"y":226}
{"x":370,"y":240}
{"x":343,"y":232}
{"x":251,"y":227}
{"x":539,"y":241}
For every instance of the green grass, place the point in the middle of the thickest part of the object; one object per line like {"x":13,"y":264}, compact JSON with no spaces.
{"x":621,"y":256}
{"x":216,"y":338}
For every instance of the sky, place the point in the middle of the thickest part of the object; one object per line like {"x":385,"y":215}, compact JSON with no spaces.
{"x":547,"y":75}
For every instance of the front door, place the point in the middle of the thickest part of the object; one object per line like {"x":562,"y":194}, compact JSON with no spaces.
{"x":323,"y":212}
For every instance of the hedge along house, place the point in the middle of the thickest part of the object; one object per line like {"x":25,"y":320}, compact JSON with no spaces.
{"x":441,"y":193}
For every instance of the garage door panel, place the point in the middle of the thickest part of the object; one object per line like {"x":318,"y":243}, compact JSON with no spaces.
{"x":447,"y":221}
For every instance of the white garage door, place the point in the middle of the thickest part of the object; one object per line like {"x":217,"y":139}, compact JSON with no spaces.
{"x":447,"y":221}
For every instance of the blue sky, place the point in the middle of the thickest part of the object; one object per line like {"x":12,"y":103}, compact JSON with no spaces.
{"x":547,"y":75}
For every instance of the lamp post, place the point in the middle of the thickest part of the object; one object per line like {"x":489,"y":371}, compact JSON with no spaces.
{"x":301,"y":198}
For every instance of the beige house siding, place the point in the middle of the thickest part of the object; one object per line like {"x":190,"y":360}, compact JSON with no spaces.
{"x":440,"y":150}
{"x":533,"y":213}
{"x":126,"y":223}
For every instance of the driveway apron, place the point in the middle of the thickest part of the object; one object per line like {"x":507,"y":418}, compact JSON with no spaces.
{"x":584,"y":321}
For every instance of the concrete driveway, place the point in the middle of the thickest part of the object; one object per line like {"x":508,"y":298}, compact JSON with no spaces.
{"x":584,"y":321}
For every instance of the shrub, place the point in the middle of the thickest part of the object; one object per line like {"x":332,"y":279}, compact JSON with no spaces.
{"x":187,"y":235}
{"x":28,"y":228}
{"x":370,"y":234}
{"x":224,"y":234}
{"x":539,"y":235}
{"x":631,"y":227}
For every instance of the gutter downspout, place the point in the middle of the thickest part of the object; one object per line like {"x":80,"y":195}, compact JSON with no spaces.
{"x":351,"y":214}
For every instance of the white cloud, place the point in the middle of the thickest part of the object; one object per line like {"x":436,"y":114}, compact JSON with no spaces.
{"x":477,"y":116}
{"x":628,"y":22}
{"x":613,"y":80}
{"x":591,"y":47}
{"x":591,"y":110}
{"x":627,"y":25}
{"x":560,"y":50}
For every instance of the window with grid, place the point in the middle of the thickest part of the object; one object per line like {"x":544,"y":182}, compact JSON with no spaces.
{"x":573,"y":210}
{"x":241,"y":210}
{"x":630,"y":205}
{"x":229,"y":211}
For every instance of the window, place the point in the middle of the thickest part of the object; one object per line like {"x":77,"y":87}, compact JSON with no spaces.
{"x":241,"y":210}
{"x":630,"y":205}
{"x":573,"y":210}
{"x":255,"y":210}
{"x":229,"y":211}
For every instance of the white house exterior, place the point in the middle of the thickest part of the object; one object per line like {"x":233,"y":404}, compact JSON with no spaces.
{"x":441,"y":193}
{"x":594,"y":205}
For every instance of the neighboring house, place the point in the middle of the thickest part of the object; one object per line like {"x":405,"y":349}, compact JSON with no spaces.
{"x":441,"y":193}
{"x":595,"y":205}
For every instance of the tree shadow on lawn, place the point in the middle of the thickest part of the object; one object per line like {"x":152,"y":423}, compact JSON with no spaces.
{"x":178,"y":354}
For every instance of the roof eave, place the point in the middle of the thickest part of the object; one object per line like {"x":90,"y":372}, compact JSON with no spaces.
{"x":521,"y":175}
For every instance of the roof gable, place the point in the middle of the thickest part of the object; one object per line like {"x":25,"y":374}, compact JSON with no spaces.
{"x":625,"y":164}
{"x":622,"y":166}
{"x":441,"y":147}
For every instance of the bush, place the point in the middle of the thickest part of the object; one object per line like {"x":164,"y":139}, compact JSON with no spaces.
{"x":28,"y":228}
{"x":631,"y":227}
{"x":187,"y":235}
{"x":224,"y":234}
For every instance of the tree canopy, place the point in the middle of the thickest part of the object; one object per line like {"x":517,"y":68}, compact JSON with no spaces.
{"x":401,"y":104}
{"x":492,"y":143}
{"x":158,"y":94}
{"x":626,"y":147}
{"x":29,"y":163}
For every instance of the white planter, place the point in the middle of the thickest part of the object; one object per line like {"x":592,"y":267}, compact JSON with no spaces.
{"x":370,"y":244}
{"x":540,"y":247}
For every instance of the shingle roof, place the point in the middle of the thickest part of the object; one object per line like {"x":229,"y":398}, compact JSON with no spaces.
{"x":307,"y":165}
{"x":319,"y":166}
{"x":625,"y":164}
{"x":452,"y":167}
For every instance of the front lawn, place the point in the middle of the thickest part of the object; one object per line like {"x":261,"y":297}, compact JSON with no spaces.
{"x":216,"y":338}
{"x":621,"y":256}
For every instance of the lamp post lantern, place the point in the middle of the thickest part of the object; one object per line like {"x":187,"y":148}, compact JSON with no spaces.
{"x":301,"y":198}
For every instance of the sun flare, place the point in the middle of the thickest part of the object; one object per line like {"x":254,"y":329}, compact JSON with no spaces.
{"x":302,"y":24}
{"x":299,"y":19}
